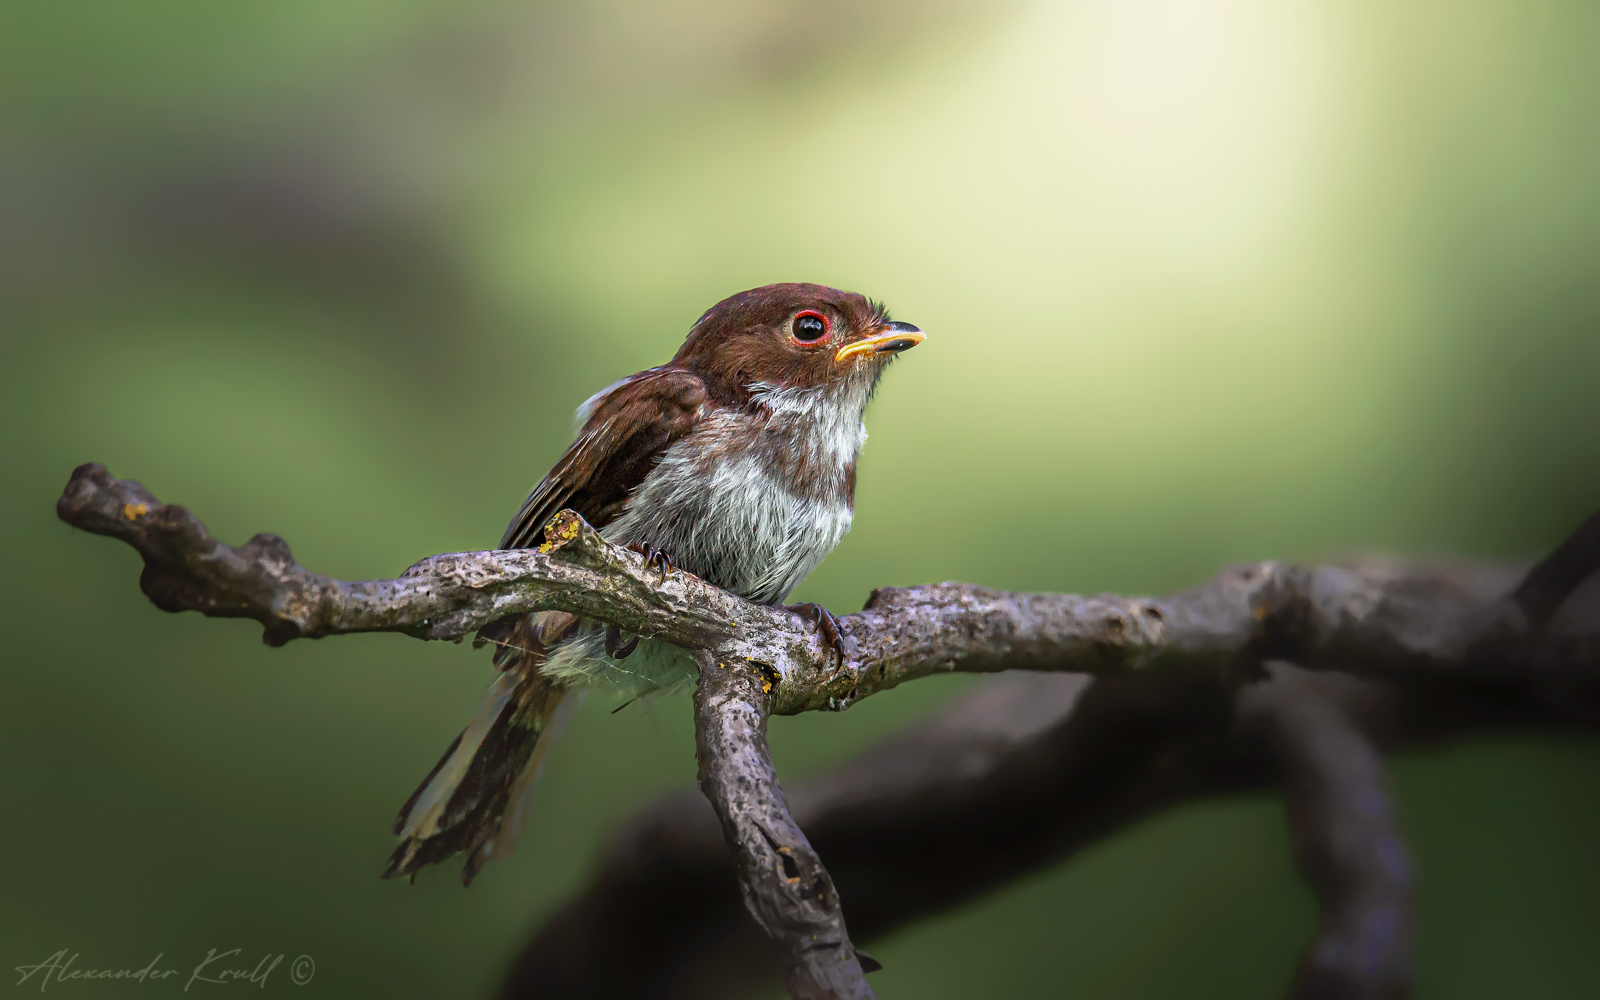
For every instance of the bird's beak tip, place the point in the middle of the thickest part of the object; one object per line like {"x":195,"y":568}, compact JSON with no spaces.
{"x":896,"y":337}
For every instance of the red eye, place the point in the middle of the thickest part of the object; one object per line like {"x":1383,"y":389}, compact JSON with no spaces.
{"x":810,"y":327}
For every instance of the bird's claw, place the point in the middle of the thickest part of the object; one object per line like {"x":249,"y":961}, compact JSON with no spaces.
{"x":654,"y":556}
{"x":615,"y":648}
{"x":822,"y":621}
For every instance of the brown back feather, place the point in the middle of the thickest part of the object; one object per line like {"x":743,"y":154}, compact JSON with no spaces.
{"x":628,"y":432}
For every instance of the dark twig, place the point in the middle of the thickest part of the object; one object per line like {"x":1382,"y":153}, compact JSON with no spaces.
{"x":1346,"y":842}
{"x":1549,"y":584}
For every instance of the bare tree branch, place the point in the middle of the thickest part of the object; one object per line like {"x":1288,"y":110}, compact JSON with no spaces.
{"x":1549,"y":584}
{"x":1346,"y":841}
{"x":442,"y":597}
{"x":1382,"y":619}
{"x":1414,"y":627}
{"x":998,"y":785}
{"x":784,"y":885}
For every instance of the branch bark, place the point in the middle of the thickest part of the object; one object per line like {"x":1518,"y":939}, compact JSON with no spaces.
{"x":441,"y":597}
{"x":785,"y":888}
{"x":1160,"y":716}
{"x":1381,"y":619}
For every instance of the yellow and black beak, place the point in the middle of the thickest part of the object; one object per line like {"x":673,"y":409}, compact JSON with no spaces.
{"x":892,"y":339}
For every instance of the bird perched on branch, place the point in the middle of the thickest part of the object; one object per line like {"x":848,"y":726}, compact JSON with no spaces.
{"x":735,"y":461}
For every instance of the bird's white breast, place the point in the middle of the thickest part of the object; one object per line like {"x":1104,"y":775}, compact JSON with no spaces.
{"x":753,"y":501}
{"x":750,"y":500}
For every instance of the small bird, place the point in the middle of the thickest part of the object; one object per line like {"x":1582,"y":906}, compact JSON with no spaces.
{"x":735,"y":461}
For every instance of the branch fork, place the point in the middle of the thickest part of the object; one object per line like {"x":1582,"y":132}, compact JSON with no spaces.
{"x":1463,"y":631}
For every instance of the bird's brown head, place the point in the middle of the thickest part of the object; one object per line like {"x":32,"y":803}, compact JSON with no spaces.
{"x":795,"y":336}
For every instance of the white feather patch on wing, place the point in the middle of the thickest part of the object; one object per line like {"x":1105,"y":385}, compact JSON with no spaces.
{"x":424,"y":817}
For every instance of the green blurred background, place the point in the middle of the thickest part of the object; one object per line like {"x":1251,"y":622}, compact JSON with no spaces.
{"x":1205,"y":281}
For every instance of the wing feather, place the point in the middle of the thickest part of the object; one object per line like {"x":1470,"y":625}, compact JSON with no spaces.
{"x":627,"y":430}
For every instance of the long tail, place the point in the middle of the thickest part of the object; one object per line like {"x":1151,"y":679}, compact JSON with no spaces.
{"x":475,"y":800}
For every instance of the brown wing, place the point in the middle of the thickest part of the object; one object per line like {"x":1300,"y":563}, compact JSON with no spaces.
{"x":629,"y":429}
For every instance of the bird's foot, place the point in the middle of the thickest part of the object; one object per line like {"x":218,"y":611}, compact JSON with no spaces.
{"x":654,"y":556}
{"x":614,"y":645}
{"x":823,"y":621}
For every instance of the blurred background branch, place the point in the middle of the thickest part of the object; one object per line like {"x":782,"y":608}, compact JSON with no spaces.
{"x":1346,"y":842}
{"x":1027,"y":769}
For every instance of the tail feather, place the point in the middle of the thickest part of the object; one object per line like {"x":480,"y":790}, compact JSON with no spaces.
{"x":411,"y":803}
{"x":462,"y":806}
{"x":429,"y":806}
{"x":515,"y":818}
